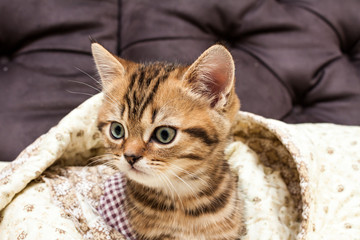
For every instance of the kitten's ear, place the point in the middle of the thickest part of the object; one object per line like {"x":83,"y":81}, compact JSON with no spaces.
{"x":212,"y":74}
{"x":107,"y":64}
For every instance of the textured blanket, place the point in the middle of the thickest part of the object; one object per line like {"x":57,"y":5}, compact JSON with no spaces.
{"x":298,"y":181}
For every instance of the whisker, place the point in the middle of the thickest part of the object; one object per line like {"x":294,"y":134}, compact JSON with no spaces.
{"x":167,"y":185}
{"x":86,"y":84}
{"x":102,"y":157}
{"x":107,"y":95}
{"x":112,"y":101}
{"x":106,"y":159}
{"x":172,"y":186}
{"x":81,"y":93}
{"x":189,"y":173}
{"x":190,"y":187}
{"x":194,"y":193}
{"x":87,"y":74}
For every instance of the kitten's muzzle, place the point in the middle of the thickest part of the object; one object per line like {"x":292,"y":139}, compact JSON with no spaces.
{"x":132,"y":159}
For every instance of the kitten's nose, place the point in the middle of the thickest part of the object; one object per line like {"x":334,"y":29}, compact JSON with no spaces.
{"x":132,"y":159}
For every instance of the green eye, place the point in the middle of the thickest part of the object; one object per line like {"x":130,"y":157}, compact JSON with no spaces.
{"x":117,"y":130}
{"x":164,"y":134}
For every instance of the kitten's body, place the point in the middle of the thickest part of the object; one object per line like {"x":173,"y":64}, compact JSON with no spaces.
{"x":181,"y":189}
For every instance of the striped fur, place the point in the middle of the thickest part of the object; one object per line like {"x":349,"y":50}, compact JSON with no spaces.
{"x":184,"y":189}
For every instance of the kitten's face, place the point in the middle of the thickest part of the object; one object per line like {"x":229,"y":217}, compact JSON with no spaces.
{"x":161,"y":126}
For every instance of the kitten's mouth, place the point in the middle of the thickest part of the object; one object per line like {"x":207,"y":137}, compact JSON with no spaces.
{"x":135,"y":170}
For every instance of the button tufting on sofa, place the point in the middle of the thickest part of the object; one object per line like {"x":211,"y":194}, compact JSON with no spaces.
{"x":43,"y":44}
{"x":296,"y":60}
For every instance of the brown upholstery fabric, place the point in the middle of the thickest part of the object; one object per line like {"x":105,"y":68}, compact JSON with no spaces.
{"x":42,"y":43}
{"x":297,"y":61}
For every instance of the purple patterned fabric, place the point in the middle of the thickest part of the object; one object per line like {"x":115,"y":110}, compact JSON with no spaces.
{"x":112,"y":207}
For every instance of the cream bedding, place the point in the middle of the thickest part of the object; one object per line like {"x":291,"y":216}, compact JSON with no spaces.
{"x":298,"y":181}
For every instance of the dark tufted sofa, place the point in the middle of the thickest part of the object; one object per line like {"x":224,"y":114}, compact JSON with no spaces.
{"x":297,"y":61}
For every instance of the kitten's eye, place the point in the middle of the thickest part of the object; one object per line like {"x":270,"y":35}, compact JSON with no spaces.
{"x":164,"y":134}
{"x":117,"y":130}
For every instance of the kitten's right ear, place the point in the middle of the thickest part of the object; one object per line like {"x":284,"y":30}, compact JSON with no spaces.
{"x":107,"y":64}
{"x":212,"y":75}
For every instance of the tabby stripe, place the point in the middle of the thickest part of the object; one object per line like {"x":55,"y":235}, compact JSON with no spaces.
{"x":128,"y":102}
{"x":192,"y":157}
{"x":135,"y":101}
{"x":161,"y":79}
{"x":199,"y":132}
{"x":215,"y":182}
{"x":218,"y":203}
{"x":141,"y":77}
{"x":160,"y":237}
{"x":131,"y":85}
{"x":153,"y":117}
{"x":149,"y":99}
{"x":151,"y":77}
{"x":133,"y":210}
{"x":122,"y":110}
{"x":152,"y":202}
{"x":101,"y":125}
{"x":132,"y":80}
{"x":169,"y":68}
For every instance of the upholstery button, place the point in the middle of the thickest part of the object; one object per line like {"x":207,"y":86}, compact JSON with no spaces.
{"x":4,"y":61}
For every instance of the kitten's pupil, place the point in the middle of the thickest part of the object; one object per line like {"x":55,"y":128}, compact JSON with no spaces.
{"x":164,"y":135}
{"x":117,"y":130}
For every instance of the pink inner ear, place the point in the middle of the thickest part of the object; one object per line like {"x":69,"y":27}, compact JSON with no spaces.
{"x":212,"y":73}
{"x":220,"y":81}
{"x":217,"y":86}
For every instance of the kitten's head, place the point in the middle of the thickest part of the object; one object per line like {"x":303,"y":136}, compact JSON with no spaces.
{"x":164,"y":123}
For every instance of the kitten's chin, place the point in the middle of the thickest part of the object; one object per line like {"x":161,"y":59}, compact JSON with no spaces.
{"x":143,"y":178}
{"x":144,"y":175}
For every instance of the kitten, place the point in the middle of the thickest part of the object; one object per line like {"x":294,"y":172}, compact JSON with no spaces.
{"x":166,"y":127}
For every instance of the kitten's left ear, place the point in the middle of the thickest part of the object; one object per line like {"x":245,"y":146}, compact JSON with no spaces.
{"x":212,"y":74}
{"x":107,"y":64}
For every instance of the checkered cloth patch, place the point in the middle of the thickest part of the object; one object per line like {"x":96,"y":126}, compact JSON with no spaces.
{"x":112,"y":207}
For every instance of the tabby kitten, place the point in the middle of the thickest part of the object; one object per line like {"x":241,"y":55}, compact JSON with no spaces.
{"x":166,"y":127}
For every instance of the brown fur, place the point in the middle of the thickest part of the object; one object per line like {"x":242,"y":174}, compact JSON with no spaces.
{"x":184,"y":189}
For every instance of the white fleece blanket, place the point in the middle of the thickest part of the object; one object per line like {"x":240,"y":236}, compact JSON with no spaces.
{"x":298,"y":181}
